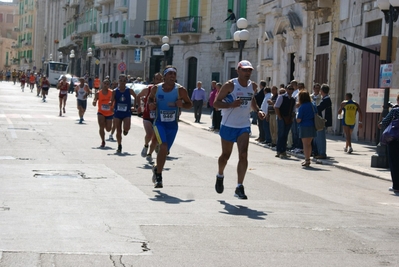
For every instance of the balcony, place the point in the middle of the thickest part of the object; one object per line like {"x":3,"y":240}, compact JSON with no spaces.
{"x":187,"y":27}
{"x":28,"y":26}
{"x":87,"y":28}
{"x":98,"y":5}
{"x":313,"y":5}
{"x":154,"y":30}
{"x":103,"y":40}
{"x":121,"y":5}
{"x":128,"y":42}
{"x":104,"y":2}
{"x":73,"y":3}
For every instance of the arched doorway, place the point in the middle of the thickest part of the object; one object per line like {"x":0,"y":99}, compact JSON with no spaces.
{"x":192,"y":75}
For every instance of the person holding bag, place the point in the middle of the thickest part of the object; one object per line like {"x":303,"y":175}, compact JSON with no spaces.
{"x":393,"y":146}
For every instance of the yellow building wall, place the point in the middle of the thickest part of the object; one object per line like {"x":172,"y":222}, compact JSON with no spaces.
{"x":153,"y":9}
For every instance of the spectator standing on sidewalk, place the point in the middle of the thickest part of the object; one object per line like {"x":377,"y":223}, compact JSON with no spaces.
{"x":264,"y":115}
{"x":199,"y":100}
{"x":284,"y":107}
{"x":316,"y":98}
{"x":272,"y":116}
{"x":236,"y":98}
{"x":211,"y":99}
{"x":324,"y":110}
{"x":393,"y":148}
{"x":259,"y":96}
{"x":305,"y":120}
{"x":217,"y":113}
{"x":350,"y":108}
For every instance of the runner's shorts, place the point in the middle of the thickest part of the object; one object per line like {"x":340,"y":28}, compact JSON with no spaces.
{"x":231,"y":134}
{"x":165,"y":132}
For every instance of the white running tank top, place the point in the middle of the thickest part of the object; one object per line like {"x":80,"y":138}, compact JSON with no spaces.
{"x":239,"y":117}
{"x":82,"y":92}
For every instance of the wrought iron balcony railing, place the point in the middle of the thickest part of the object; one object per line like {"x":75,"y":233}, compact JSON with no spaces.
{"x":157,"y":27}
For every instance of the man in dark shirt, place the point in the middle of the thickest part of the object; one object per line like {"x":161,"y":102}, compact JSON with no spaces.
{"x":323,"y":107}
{"x":232,"y":19}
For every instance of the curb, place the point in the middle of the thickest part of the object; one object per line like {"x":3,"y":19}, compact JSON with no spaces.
{"x":300,"y":156}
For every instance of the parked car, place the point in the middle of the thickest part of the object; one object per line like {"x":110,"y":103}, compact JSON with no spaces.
{"x":137,"y":87}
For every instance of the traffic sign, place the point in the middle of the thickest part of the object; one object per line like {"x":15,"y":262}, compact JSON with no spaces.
{"x":122,"y":66}
{"x":97,"y":61}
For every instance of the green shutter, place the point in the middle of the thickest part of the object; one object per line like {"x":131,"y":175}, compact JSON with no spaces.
{"x":242,"y":12}
{"x":85,"y":40}
{"x":124,"y":27}
{"x":110,"y":26}
{"x":116,"y":26}
{"x":163,"y":17}
{"x":230,"y":5}
{"x":194,"y":5}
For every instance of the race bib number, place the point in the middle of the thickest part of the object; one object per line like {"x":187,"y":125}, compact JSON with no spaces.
{"x":105,"y":107}
{"x":168,"y":115}
{"x":245,"y":101}
{"x":63,"y":92}
{"x":122,"y":107}
{"x":152,"y":114}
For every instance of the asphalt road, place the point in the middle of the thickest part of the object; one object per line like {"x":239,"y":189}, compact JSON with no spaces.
{"x":66,"y":202}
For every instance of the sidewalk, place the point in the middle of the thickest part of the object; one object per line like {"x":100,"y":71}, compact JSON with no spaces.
{"x":359,"y":161}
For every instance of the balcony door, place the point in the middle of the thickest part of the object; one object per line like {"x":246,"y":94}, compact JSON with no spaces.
{"x":163,"y":17}
{"x":192,"y":75}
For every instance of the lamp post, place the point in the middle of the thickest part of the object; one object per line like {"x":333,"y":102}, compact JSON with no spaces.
{"x":390,"y":10}
{"x":60,"y":56}
{"x":50,"y":58}
{"x":165,"y":48}
{"x":89,"y":54}
{"x":72,"y":57}
{"x":242,"y":35}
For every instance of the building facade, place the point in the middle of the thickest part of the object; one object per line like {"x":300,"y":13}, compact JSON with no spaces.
{"x":8,"y":35}
{"x":201,"y":45}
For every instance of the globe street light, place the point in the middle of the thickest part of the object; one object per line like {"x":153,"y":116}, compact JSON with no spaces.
{"x":390,"y":10}
{"x":165,"y":48}
{"x":50,"y":58}
{"x":72,"y":57}
{"x":60,"y":56}
{"x":89,"y":54}
{"x":242,"y":35}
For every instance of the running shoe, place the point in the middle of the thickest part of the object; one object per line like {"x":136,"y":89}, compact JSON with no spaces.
{"x":63,"y":109}
{"x":125,"y":133}
{"x":240,"y":192}
{"x":154,"y":173}
{"x":119,"y":150}
{"x":80,"y":121}
{"x":345,"y":149}
{"x":158,"y":181}
{"x":60,"y":113}
{"x":111,"y":138}
{"x":102,"y":144}
{"x":350,"y":150}
{"x":144,"y":151}
{"x":396,"y":191}
{"x":149,"y":157}
{"x":219,"y":187}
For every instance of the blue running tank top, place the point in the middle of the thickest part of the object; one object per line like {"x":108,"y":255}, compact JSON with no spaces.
{"x":123,"y":101}
{"x":167,"y":111}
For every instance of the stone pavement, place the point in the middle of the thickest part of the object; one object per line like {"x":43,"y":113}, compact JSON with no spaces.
{"x":358,"y":161}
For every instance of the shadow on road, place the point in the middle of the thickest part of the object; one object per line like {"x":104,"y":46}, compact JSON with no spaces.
{"x":242,"y":211}
{"x":168,"y":199}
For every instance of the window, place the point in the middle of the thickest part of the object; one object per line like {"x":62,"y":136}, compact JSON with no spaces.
{"x":324,"y":39}
{"x":10,"y":18}
{"x":1,"y":17}
{"x":373,"y":28}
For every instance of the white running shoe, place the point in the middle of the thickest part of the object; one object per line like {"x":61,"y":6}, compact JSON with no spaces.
{"x":350,"y":150}
{"x":144,"y":151}
{"x":149,"y":158}
{"x":111,"y":138}
{"x":345,"y":149}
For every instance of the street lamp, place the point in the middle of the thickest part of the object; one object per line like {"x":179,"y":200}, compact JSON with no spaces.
{"x":242,"y":35}
{"x":72,"y":57}
{"x":60,"y":56}
{"x":89,"y":54}
{"x":50,"y":58}
{"x":165,"y":48}
{"x":390,"y":9}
